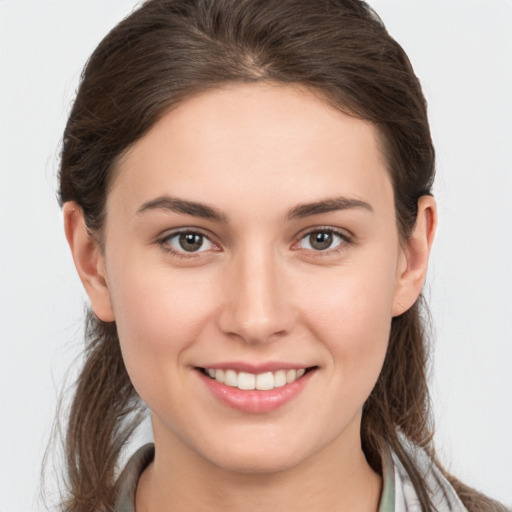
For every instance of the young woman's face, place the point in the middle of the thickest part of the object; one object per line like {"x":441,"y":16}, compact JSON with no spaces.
{"x":251,"y":233}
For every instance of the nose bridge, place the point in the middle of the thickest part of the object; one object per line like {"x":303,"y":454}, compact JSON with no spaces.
{"x":256,"y":307}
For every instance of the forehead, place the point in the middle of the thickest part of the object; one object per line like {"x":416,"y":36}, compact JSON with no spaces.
{"x":280,"y":143}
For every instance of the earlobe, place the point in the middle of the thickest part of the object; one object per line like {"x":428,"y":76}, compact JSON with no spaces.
{"x":416,"y":251}
{"x":89,"y":261}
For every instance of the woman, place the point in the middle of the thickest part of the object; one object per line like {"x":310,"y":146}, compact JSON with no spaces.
{"x":247,"y":196}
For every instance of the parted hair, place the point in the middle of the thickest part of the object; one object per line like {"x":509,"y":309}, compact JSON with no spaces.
{"x":161,"y":54}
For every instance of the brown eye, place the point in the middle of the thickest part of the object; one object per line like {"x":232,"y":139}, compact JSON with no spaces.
{"x":321,"y":240}
{"x":188,"y":242}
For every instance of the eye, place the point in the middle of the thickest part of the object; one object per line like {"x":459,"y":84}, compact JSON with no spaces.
{"x":322,"y":240}
{"x":187,"y":242}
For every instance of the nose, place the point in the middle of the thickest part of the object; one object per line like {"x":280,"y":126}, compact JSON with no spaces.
{"x":256,"y":306}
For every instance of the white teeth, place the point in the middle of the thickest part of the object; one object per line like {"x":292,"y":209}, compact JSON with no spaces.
{"x":279,"y":378}
{"x":230,"y":378}
{"x":249,"y":381}
{"x":246,"y":380}
{"x":291,"y":375}
{"x":265,"y":381}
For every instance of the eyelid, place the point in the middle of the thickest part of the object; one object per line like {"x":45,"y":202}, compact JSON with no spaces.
{"x":346,"y":237}
{"x":166,"y":235}
{"x":162,"y":241}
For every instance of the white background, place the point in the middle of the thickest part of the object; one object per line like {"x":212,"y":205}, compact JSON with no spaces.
{"x":462,"y":52}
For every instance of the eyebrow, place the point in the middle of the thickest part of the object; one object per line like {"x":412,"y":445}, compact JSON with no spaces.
{"x":326,"y":206}
{"x":174,"y":204}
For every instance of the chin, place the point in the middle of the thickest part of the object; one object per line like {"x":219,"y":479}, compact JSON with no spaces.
{"x":257,"y":463}
{"x":259,"y":454}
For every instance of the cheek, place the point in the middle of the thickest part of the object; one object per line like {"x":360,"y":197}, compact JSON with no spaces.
{"x":350,"y":310}
{"x":154,"y":300}
{"x":159,"y":315}
{"x":351,"y":303}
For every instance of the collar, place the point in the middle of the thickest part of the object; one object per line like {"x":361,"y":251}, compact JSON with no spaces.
{"x":398,"y":493}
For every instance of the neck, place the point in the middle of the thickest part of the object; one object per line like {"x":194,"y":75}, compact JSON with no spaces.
{"x":337,"y":478}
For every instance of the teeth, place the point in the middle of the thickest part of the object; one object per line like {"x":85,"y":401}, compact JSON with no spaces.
{"x":279,"y":378}
{"x":265,"y":381}
{"x":231,"y":379}
{"x":291,"y":375}
{"x":246,"y":380}
{"x":249,"y":381}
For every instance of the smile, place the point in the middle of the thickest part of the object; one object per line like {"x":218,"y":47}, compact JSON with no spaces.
{"x":261,"y":390}
{"x":251,"y":381}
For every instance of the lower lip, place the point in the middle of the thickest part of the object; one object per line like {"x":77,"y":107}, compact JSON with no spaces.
{"x":256,"y":401}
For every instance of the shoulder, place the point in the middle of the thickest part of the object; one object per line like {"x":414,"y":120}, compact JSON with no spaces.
{"x":443,"y":495}
{"x":128,"y":479}
{"x":440,"y":491}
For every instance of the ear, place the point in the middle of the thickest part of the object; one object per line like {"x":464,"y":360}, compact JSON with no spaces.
{"x":89,"y":261}
{"x":414,"y":258}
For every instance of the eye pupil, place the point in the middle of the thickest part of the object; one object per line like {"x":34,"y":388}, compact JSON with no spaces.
{"x":321,"y":240}
{"x":190,"y":242}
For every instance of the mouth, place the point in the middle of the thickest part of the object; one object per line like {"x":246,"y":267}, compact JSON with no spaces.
{"x":256,"y":388}
{"x":264,"y":381}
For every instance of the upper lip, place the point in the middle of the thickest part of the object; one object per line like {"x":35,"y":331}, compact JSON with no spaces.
{"x":240,"y":366}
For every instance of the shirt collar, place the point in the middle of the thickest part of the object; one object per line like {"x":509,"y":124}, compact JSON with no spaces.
{"x":398,"y":494}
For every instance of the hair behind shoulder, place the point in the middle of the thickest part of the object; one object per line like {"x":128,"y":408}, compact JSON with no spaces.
{"x":163,"y":53}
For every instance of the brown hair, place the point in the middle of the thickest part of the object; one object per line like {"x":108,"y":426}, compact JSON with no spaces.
{"x":170,"y":49}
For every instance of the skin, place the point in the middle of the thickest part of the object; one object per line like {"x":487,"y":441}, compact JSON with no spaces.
{"x":258,"y":291}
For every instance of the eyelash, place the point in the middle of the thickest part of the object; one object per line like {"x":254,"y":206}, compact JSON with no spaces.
{"x":164,"y":243}
{"x":345,"y":240}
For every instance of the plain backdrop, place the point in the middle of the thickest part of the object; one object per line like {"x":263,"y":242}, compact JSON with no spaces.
{"x":462,"y":52}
